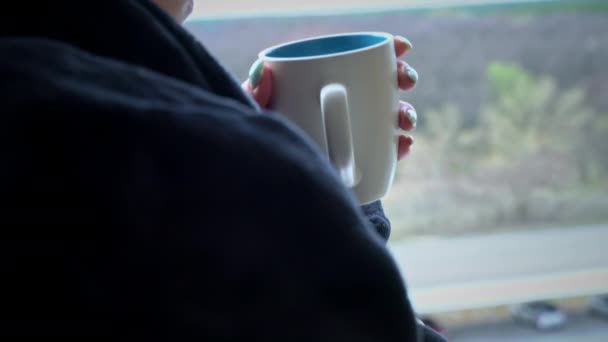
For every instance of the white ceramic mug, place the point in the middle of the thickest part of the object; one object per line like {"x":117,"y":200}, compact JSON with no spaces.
{"x":343,"y":91}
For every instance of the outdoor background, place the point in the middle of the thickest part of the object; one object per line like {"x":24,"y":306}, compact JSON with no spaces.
{"x":504,"y":199}
{"x":512,"y":100}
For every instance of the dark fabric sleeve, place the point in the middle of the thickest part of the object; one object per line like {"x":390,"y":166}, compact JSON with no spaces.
{"x":179,"y":216}
{"x":381,"y":224}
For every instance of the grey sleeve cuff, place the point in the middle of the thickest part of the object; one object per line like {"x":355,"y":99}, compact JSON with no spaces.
{"x":375,"y":214}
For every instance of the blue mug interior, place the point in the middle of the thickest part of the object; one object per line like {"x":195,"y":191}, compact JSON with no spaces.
{"x":325,"y":46}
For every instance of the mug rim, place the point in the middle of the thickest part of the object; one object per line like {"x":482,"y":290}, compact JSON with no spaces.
{"x":264,"y":53}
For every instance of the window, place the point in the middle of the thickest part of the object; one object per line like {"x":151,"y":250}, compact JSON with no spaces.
{"x":504,"y":199}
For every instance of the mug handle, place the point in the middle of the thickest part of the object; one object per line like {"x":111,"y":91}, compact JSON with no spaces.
{"x":336,"y":116}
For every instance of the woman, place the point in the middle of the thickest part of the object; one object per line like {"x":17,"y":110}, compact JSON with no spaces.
{"x":259,"y":84}
{"x":259,"y":87}
{"x":146,"y":199}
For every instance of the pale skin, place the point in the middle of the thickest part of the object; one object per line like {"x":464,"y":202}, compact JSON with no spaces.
{"x":178,"y":9}
{"x":261,"y":91}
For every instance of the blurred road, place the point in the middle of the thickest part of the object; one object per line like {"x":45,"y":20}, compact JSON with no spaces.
{"x":477,"y":271}
{"x":437,"y":262}
{"x":579,"y":329}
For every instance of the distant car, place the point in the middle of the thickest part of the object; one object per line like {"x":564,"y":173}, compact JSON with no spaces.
{"x":541,"y":315}
{"x":598,"y":306}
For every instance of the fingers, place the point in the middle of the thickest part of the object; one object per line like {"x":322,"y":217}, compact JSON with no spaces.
{"x":407,"y":122}
{"x":407,"y":117}
{"x":406,"y":75}
{"x":259,"y":84}
{"x":407,"y":79}
{"x":402,"y":45}
{"x":404,"y":146}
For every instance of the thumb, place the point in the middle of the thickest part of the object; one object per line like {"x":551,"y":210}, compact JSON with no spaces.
{"x":259,"y":84}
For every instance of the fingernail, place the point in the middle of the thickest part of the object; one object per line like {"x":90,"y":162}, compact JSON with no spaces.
{"x":405,"y":41}
{"x":405,"y":146}
{"x":255,"y":73}
{"x":412,"y":116}
{"x":412,"y":73}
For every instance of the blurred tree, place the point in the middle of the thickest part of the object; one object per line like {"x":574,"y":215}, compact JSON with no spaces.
{"x":531,"y":135}
{"x":441,"y":134}
{"x":530,"y":115}
{"x":598,"y":148}
{"x":535,"y":135}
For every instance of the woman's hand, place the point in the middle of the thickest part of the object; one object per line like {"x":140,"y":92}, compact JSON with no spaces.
{"x":259,"y":86}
